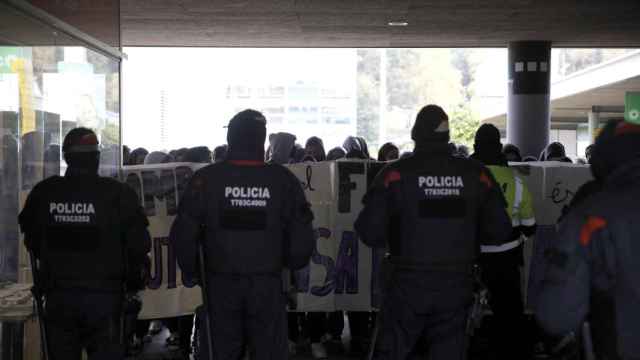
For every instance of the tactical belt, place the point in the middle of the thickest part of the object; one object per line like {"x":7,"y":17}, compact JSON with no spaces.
{"x":399,"y":263}
{"x":91,"y":285}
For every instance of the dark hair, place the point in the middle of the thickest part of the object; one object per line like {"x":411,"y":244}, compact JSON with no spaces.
{"x":336,"y":153}
{"x":510,"y":149}
{"x":198,"y":154}
{"x":220,"y":153}
{"x":137,"y":156}
{"x":386,"y":149}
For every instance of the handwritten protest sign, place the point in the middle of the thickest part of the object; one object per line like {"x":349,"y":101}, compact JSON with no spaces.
{"x":552,"y":186}
{"x":343,"y":272}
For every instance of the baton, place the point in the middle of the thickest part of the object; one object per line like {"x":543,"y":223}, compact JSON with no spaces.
{"x":587,"y":342}
{"x":205,"y":296}
{"x":386,"y":269}
{"x":374,"y":336}
{"x":37,"y":297}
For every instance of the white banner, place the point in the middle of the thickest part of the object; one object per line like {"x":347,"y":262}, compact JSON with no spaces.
{"x":159,"y":188}
{"x":552,"y":185}
{"x":339,"y":274}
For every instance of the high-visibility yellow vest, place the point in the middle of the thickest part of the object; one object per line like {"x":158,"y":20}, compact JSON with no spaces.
{"x":519,"y":203}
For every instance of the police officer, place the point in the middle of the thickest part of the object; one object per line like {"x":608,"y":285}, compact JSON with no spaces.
{"x":592,"y":272}
{"x":254,"y":221}
{"x":89,"y":234}
{"x":431,"y":209}
{"x":501,"y":264}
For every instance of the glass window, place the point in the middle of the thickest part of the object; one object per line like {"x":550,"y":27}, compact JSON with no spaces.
{"x":45,"y":91}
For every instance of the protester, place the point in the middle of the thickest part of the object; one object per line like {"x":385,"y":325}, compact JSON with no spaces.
{"x":249,"y":240}
{"x":388,"y":152}
{"x":298,"y":154}
{"x":591,"y":270}
{"x":364,"y":147}
{"x":440,"y":208}
{"x":553,"y":152}
{"x":314,"y":148}
{"x":85,"y":230}
{"x":282,"y":148}
{"x":511,"y":153}
{"x":501,"y":265}
{"x":336,"y":153}
{"x":180,"y":154}
{"x":220,"y":153}
{"x":199,"y":154}
{"x":157,"y":157}
{"x":138,"y":155}
{"x":463,"y":151}
{"x":126,"y":155}
{"x":353,"y":148}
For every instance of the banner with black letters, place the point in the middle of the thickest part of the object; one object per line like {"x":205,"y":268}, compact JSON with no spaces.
{"x":342,"y":273}
{"x":339,"y":275}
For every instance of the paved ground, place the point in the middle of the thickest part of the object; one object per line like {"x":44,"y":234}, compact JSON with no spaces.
{"x":157,"y":350}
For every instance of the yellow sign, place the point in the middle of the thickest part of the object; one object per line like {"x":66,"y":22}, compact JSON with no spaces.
{"x":25,"y":84}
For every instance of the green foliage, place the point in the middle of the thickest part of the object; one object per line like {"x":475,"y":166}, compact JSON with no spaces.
{"x":414,"y":78}
{"x":368,"y":94}
{"x":110,"y":135}
{"x":463,"y":125}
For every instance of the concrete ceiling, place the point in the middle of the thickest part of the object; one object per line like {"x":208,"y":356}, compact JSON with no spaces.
{"x":364,"y":23}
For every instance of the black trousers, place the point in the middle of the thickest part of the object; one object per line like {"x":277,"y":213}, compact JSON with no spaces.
{"x":79,"y":320}
{"x":335,"y":324}
{"x":312,"y":324}
{"x":248,"y":311}
{"x":508,"y":336}
{"x":424,"y":305}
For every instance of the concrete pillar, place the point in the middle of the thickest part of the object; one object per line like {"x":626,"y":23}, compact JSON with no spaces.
{"x":594,"y":124}
{"x":528,"y":115}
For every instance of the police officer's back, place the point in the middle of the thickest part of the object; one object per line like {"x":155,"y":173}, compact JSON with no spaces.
{"x":592,"y":271}
{"x":430,"y":209}
{"x":254,"y":220}
{"x":89,"y":235}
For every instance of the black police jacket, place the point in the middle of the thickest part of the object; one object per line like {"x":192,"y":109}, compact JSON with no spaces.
{"x":432,"y":210}
{"x":252,"y":216}
{"x":83,"y":228}
{"x":591,"y":272}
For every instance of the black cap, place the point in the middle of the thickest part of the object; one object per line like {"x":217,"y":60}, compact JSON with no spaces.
{"x":432,"y":125}
{"x":248,"y":118}
{"x":80,"y":140}
{"x":487,"y":134}
{"x":246,"y":134}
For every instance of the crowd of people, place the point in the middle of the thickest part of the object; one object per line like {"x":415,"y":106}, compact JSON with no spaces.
{"x":322,"y":333}
{"x":448,"y":220}
{"x":290,"y":152}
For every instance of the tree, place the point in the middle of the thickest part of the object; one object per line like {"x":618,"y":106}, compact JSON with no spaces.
{"x":368,"y":94}
{"x":417,"y":77}
{"x":464,"y":122}
{"x":110,"y":134}
{"x":463,"y":125}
